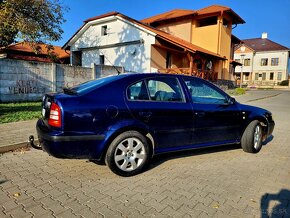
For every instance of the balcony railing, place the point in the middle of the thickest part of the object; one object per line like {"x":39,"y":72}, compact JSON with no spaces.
{"x":205,"y":74}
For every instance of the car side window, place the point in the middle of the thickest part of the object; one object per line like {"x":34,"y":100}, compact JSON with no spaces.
{"x":165,"y":89}
{"x":137,"y":91}
{"x":202,"y":92}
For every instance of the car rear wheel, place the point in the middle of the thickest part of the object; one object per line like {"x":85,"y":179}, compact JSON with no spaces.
{"x":252,"y":138}
{"x":128,"y":154}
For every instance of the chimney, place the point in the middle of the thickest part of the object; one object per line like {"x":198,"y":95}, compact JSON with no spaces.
{"x":264,"y":35}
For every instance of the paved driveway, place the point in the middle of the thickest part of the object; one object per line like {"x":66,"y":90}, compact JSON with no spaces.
{"x":219,"y":182}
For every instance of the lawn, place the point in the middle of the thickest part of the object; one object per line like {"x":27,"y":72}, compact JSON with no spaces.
{"x":13,"y":112}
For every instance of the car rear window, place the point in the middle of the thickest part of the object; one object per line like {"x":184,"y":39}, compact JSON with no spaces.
{"x":93,"y":84}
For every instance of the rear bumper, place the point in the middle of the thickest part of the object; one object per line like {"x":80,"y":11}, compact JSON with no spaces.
{"x":69,"y":145}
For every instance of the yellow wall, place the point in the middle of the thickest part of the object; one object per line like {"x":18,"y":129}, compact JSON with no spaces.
{"x":215,"y":38}
{"x":205,"y":37}
{"x":181,"y":29}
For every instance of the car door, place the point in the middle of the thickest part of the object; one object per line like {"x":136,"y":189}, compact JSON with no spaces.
{"x":159,"y":102}
{"x":216,"y":119}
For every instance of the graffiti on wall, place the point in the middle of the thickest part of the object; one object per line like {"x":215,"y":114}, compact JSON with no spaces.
{"x":26,"y":87}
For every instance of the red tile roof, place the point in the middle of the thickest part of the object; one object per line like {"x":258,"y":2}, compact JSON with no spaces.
{"x":213,"y":9}
{"x":24,"y":51}
{"x":25,"y":47}
{"x":168,"y":15}
{"x":259,"y":44}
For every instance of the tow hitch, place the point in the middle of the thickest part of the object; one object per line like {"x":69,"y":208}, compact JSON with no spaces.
{"x":31,"y":142}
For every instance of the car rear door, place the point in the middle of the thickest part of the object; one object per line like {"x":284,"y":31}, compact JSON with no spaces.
{"x":159,"y":102}
{"x":216,"y":120}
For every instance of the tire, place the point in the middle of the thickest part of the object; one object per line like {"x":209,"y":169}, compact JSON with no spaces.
{"x":251,"y":141}
{"x":128,"y":154}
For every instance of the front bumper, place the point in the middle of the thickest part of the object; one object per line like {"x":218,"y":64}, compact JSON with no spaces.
{"x":70,"y":145}
{"x":271,"y":126}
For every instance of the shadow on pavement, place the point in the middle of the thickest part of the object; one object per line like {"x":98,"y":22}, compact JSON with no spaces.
{"x":3,"y":181}
{"x":269,"y":139}
{"x":161,"y":158}
{"x":281,"y":198}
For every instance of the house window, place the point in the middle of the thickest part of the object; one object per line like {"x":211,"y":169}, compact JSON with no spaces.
{"x":102,"y":59}
{"x":271,"y":75}
{"x":77,"y":58}
{"x":256,"y":76}
{"x":274,"y":61}
{"x":168,"y":60}
{"x":238,"y":60}
{"x":247,"y":62}
{"x":207,"y":21}
{"x":264,"y":76}
{"x":279,"y":76}
{"x":264,"y":62}
{"x":104,"y":30}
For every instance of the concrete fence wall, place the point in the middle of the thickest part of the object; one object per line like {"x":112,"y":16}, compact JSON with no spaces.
{"x":28,"y":81}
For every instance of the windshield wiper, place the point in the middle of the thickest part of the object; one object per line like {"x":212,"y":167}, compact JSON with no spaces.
{"x":69,"y":91}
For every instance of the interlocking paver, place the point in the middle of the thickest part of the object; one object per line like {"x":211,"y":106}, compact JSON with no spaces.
{"x":218,"y":182}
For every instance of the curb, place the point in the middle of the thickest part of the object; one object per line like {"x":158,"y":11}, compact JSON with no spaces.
{"x":13,"y":147}
{"x":257,"y":99}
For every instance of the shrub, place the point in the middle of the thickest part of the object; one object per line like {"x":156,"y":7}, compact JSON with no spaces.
{"x":240,"y":91}
{"x":237,"y":91}
{"x":284,"y":83}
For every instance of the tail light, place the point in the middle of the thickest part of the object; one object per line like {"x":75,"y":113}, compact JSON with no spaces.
{"x":54,"y":115}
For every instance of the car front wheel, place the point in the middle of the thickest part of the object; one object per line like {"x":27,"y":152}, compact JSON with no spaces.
{"x":252,"y":138}
{"x":128,"y":154}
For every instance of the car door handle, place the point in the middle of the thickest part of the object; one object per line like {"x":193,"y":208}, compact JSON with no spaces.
{"x":145,"y":115}
{"x":199,"y":114}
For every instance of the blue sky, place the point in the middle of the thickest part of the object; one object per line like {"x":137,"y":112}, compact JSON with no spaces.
{"x":272,"y":17}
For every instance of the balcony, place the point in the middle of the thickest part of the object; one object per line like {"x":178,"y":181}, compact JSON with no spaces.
{"x":204,"y":74}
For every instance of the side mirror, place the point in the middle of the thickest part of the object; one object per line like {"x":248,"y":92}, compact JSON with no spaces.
{"x":232,"y":100}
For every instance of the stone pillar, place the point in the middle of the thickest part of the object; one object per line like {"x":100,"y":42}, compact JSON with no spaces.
{"x":53,"y":77}
{"x":93,"y":71}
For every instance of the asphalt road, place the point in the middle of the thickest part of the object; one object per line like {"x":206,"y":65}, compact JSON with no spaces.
{"x":215,"y":182}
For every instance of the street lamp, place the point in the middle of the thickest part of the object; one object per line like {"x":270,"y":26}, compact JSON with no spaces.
{"x":243,"y":48}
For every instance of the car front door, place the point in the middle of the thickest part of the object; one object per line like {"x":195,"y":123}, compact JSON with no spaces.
{"x":159,"y":102}
{"x":216,"y":120}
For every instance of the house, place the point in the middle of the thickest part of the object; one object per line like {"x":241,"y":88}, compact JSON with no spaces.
{"x":179,"y":41}
{"x":24,"y":51}
{"x":265,"y":63}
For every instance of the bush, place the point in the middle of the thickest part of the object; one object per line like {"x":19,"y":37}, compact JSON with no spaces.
{"x":240,"y":91}
{"x":284,"y":83}
{"x":237,"y":91}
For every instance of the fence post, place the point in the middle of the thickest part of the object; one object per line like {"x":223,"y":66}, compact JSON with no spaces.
{"x":93,"y":71}
{"x":53,"y":77}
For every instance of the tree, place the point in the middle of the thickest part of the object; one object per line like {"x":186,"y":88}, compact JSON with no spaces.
{"x":34,"y":21}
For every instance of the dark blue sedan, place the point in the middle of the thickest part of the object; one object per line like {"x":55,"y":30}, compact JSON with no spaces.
{"x":126,"y":119}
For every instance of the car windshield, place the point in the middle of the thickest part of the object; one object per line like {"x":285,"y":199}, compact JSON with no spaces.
{"x":93,"y":84}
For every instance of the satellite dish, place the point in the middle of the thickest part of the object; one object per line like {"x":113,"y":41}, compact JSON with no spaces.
{"x":133,"y":51}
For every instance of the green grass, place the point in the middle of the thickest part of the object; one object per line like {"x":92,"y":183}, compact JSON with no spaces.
{"x":13,"y":112}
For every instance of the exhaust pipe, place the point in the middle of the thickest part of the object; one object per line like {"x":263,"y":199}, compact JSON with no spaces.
{"x":31,"y":142}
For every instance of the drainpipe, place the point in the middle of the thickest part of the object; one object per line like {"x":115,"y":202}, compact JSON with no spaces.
{"x":219,"y":41}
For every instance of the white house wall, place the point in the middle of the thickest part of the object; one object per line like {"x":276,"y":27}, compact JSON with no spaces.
{"x":255,"y":66}
{"x":134,"y":57}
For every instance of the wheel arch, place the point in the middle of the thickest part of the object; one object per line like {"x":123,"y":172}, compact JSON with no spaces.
{"x":144,"y":131}
{"x":263,"y":121}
